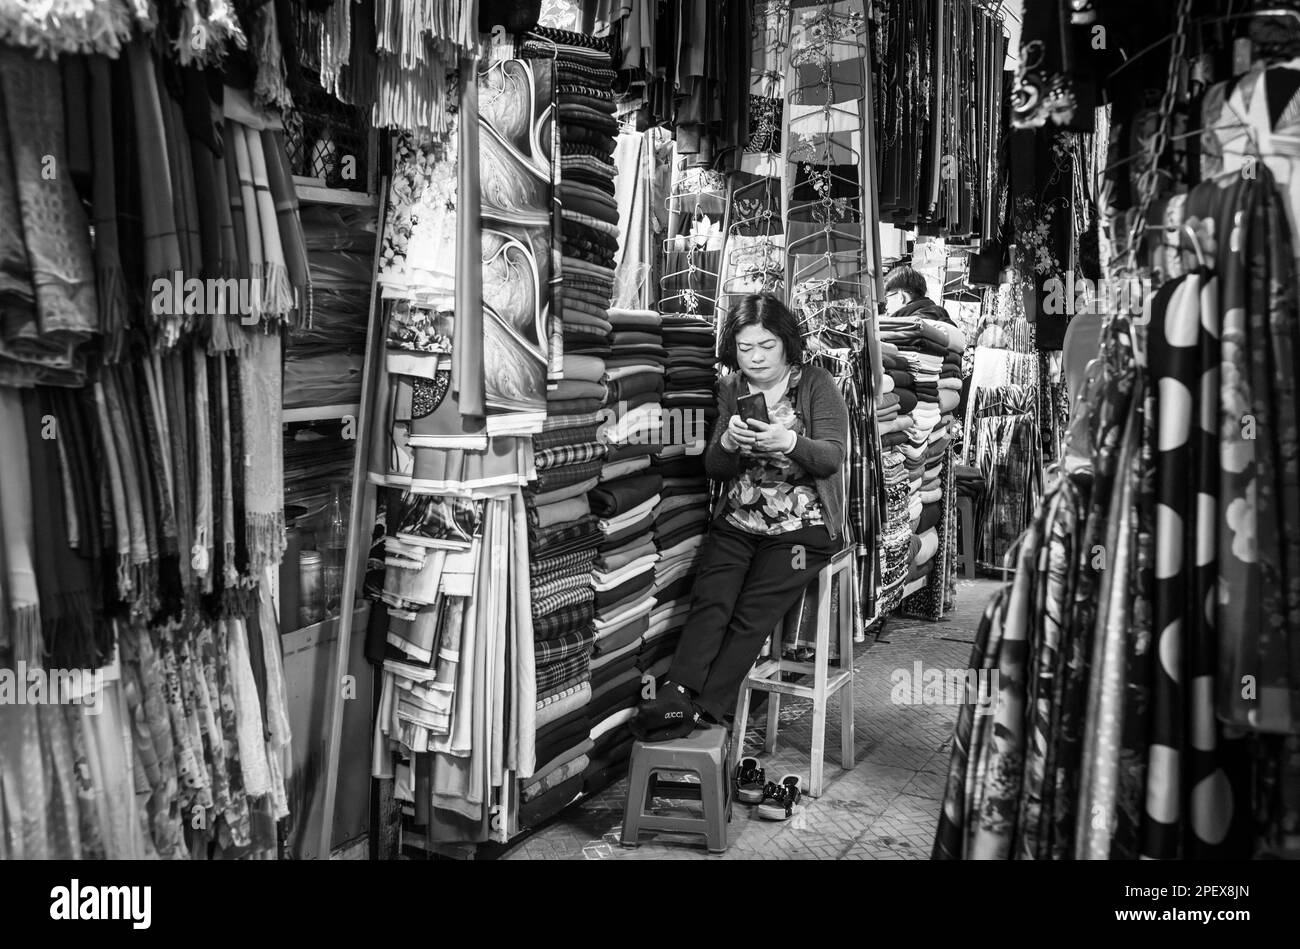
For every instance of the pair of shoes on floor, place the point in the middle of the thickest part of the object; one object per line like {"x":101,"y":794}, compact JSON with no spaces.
{"x":670,"y":714}
{"x":775,"y":801}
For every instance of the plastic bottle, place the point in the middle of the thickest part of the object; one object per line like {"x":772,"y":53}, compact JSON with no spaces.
{"x":311,"y":603}
{"x":334,"y":548}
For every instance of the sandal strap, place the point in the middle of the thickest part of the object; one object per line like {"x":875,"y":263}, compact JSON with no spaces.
{"x":774,"y":791}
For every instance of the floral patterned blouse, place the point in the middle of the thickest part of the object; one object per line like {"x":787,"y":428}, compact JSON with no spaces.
{"x":774,"y":494}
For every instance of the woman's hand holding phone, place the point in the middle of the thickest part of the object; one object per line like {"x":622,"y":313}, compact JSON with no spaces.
{"x":770,"y":437}
{"x":738,"y":436}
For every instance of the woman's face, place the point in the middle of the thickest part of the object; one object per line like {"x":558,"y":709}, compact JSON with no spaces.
{"x":760,"y":354}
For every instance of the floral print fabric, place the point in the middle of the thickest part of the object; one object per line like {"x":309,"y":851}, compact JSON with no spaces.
{"x":774,"y":494}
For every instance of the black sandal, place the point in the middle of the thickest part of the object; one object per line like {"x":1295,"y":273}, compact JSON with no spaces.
{"x":750,"y":781}
{"x":779,"y":799}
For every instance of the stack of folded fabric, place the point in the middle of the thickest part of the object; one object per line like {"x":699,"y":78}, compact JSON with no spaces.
{"x":624,"y":577}
{"x":625,"y":501}
{"x":564,"y":530}
{"x":895,"y":419}
{"x":680,"y":525}
{"x":563,"y":539}
{"x":690,"y":407}
{"x":692,"y":372}
{"x":923,"y":359}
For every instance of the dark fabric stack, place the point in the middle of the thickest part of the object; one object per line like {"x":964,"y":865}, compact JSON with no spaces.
{"x":582,"y":408}
{"x":564,"y":530}
{"x":690,"y":409}
{"x":626,"y":500}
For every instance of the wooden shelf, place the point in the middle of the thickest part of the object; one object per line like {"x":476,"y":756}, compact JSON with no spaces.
{"x":316,"y":413}
{"x":313,"y":191}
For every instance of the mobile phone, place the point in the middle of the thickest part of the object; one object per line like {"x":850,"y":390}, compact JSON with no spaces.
{"x":753,"y":407}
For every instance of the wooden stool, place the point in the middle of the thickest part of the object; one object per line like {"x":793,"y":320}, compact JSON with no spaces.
{"x":766,"y":676}
{"x":703,"y":752}
{"x":966,"y":536}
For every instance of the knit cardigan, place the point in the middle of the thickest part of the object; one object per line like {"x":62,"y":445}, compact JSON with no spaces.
{"x":821,"y":450}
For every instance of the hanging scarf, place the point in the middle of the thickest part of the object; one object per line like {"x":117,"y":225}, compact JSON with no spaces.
{"x":65,"y":580}
{"x":117,"y":494}
{"x":201,"y":554}
{"x":54,"y":223}
{"x":277,"y":291}
{"x":109,"y":279}
{"x":204,"y":30}
{"x":271,"y":87}
{"x":335,"y":45}
{"x":21,"y":597}
{"x":263,"y":453}
{"x":141,"y":562}
{"x":184,"y":198}
{"x":292,"y":240}
{"x":162,"y":251}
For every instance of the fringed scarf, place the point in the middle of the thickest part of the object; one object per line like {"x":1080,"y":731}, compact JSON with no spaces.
{"x":201,"y":553}
{"x":140,"y":583}
{"x":66,"y":580}
{"x":271,"y":88}
{"x":21,"y":596}
{"x":292,"y":240}
{"x":263,"y":453}
{"x":205,"y":27}
{"x":54,"y":27}
{"x":277,"y":292}
{"x":335,"y":46}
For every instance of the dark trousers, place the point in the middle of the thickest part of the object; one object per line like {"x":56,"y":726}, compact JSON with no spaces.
{"x":745,"y":584}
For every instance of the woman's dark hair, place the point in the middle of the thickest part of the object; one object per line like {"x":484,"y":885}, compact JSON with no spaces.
{"x":906,"y":279}
{"x":765,"y":310}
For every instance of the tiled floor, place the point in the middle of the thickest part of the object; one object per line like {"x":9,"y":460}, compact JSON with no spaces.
{"x":885,"y":808}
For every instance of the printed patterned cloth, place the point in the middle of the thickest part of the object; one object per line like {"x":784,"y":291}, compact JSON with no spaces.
{"x":774,"y":494}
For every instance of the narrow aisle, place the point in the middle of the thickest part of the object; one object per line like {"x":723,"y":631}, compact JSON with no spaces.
{"x":886,"y":808}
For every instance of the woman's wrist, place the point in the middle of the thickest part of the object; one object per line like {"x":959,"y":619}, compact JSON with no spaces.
{"x":794,"y":441}
{"x":727,"y":443}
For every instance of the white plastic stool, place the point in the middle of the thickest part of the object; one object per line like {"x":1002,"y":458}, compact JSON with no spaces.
{"x":766,"y":676}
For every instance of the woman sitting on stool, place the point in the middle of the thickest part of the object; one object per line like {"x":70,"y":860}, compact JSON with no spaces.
{"x":777,"y":525}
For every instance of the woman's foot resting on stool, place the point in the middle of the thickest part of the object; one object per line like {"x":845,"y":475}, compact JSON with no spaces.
{"x":670,"y":714}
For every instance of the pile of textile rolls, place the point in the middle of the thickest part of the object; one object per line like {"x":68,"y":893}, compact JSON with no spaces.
{"x":922,"y":358}
{"x":682,"y":516}
{"x":565,"y":533}
{"x":626,"y":500}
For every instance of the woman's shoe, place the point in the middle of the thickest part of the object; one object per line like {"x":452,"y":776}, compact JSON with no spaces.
{"x":779,"y":799}
{"x":670,"y":714}
{"x":750,"y":781}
